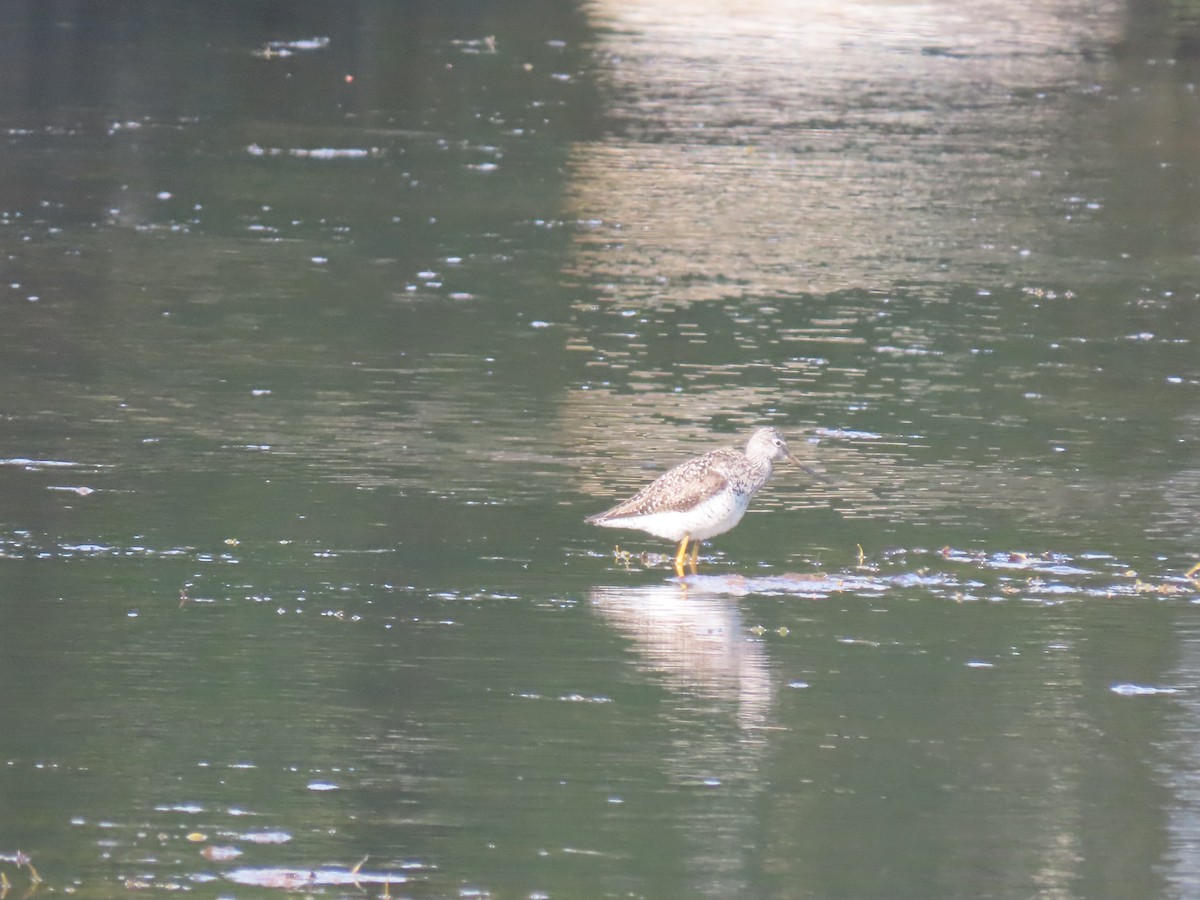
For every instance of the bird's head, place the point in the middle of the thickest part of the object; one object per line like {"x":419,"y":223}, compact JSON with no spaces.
{"x":769,"y":444}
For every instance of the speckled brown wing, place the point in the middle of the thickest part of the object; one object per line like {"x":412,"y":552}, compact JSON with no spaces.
{"x":675,"y":491}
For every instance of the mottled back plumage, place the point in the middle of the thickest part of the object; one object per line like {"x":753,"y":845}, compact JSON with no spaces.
{"x":677,"y":490}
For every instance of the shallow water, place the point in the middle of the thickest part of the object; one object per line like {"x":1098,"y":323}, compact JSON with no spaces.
{"x":323,"y":333}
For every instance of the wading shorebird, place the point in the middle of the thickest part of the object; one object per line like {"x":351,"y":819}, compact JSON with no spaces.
{"x":702,"y":497}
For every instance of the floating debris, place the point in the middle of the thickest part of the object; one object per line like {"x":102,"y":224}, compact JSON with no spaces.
{"x":220,"y":854}
{"x":479,"y":45}
{"x":81,"y":490}
{"x":313,"y":43}
{"x":25,"y":463}
{"x":316,"y":152}
{"x":298,"y":879}
{"x":280,"y":49}
{"x":1128,"y":689}
{"x":959,"y":575}
{"x":265,"y":837}
{"x":581,"y":698}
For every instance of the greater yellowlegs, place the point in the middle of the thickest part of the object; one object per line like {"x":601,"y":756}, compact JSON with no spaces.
{"x":702,"y":497}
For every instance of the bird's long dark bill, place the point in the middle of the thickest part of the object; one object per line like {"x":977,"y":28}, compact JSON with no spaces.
{"x":807,"y":470}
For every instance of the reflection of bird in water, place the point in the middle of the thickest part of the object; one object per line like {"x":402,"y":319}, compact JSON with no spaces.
{"x":698,"y":644}
{"x":713,"y":723}
{"x":702,"y":497}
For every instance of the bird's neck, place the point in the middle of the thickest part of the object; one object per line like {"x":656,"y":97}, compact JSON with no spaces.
{"x":762,"y":468}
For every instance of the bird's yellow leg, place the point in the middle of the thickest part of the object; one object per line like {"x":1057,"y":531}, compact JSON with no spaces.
{"x":681,"y":555}
{"x":695,"y":554}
